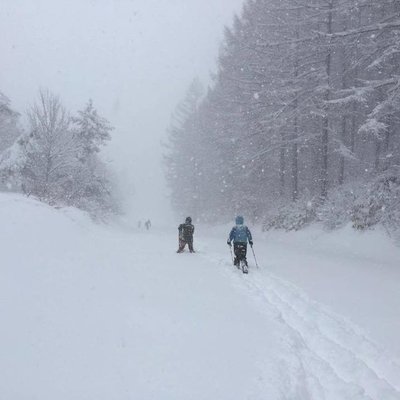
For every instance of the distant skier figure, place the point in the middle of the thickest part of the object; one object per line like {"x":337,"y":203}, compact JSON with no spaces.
{"x":186,"y":232}
{"x":240,"y":234}
{"x":147,"y":224}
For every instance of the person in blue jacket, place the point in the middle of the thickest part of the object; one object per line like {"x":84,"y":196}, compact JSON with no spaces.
{"x":239,"y":235}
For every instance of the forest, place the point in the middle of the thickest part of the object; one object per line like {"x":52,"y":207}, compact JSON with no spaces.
{"x":301,"y":121}
{"x":55,"y":159}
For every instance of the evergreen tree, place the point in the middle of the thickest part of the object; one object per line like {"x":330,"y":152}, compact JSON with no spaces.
{"x":92,"y":130}
{"x":303,"y":106}
{"x":182,"y":165}
{"x":9,"y":130}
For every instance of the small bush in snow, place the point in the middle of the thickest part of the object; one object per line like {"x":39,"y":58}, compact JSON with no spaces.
{"x":337,"y":210}
{"x":292,"y":217}
{"x":380,"y":203}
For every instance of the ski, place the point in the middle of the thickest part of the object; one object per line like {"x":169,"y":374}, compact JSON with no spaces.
{"x":245,"y":268}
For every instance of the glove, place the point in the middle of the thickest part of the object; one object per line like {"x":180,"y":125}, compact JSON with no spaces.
{"x":229,"y":243}
{"x":251,"y":243}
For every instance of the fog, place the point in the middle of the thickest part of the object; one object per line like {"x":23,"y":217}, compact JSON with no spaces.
{"x":134,"y":58}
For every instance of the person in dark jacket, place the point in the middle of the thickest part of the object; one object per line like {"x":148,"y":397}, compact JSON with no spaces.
{"x":239,"y":235}
{"x":186,"y":232}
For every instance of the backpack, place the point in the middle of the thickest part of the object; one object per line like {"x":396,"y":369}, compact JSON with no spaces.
{"x":241,"y":234}
{"x":187,"y":231}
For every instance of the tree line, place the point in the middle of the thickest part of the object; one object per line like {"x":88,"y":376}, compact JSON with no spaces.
{"x":56,"y":159}
{"x":301,"y":120}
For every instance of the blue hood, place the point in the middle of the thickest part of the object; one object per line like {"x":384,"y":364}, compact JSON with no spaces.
{"x":239,"y":220}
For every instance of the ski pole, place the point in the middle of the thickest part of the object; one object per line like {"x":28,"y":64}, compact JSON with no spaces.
{"x":254,"y":254}
{"x":233,"y":261}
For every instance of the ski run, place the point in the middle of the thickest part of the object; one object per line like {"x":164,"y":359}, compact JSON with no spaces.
{"x":107,"y":312}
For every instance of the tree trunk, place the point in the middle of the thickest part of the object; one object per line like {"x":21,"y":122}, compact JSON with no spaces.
{"x":342,"y":159}
{"x":325,"y":121}
{"x":295,"y":134}
{"x":295,"y":161}
{"x":282,"y":167}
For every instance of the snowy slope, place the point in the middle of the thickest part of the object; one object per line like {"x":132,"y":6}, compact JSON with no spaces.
{"x":356,"y":274}
{"x":97,"y":313}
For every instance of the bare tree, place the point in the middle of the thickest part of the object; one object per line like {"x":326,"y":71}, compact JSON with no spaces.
{"x":50,"y":149}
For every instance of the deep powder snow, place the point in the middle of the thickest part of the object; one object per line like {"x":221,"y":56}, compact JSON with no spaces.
{"x":94,"y":312}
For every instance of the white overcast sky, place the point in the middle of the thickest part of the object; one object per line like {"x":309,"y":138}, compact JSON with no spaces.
{"x":134,"y":58}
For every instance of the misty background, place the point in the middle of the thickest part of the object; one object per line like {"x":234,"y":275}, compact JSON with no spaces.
{"x":134,"y":59}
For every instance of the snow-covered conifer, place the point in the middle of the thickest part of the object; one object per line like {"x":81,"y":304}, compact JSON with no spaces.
{"x":92,"y":130}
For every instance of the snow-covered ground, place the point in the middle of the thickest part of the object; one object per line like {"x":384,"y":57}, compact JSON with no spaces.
{"x":94,"y":312}
{"x":355,"y":274}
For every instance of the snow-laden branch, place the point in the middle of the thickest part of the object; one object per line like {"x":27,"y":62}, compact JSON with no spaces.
{"x":366,"y":29}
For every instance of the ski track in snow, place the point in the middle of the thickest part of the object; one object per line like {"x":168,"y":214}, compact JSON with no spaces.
{"x":327,"y":357}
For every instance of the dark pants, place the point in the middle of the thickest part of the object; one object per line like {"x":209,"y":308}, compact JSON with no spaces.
{"x":183,"y":243}
{"x":240,"y":250}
